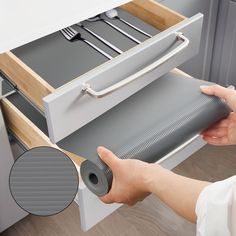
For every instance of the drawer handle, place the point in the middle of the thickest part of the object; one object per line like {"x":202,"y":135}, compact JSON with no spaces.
{"x":180,"y":148}
{"x":99,"y":94}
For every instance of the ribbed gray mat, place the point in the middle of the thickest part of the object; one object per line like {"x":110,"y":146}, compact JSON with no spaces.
{"x":146,"y":126}
{"x":58,"y":61}
{"x":43,"y":181}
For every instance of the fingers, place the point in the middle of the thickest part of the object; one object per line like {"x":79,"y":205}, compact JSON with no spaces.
{"x":216,"y":90}
{"x":227,"y":94}
{"x":222,"y":124}
{"x":216,"y":132}
{"x":108,"y":157}
{"x":108,"y":199}
{"x":216,"y":141}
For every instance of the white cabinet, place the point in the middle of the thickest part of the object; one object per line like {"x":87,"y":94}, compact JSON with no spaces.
{"x":199,"y":66}
{"x":10,"y":212}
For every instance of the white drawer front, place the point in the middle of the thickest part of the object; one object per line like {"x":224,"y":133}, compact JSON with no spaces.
{"x":69,"y":108}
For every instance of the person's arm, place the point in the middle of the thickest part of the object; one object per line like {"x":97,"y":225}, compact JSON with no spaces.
{"x":133,"y":180}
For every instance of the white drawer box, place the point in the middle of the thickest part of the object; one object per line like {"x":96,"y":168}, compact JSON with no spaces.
{"x":72,"y":105}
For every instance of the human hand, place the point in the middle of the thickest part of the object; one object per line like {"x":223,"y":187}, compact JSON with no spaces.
{"x":224,"y":132}
{"x":130,"y":179}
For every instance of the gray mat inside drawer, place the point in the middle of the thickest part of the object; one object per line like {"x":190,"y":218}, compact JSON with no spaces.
{"x":151,"y":108}
{"x":59,"y":61}
{"x":146,"y":110}
{"x":146,"y":126}
{"x":25,"y":106}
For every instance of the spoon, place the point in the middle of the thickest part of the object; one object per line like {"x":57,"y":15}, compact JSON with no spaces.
{"x":113,"y":14}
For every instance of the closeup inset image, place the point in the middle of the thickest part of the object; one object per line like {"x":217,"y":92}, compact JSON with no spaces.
{"x":43,"y":181}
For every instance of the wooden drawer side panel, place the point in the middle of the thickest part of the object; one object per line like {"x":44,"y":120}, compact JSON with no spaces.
{"x":153,"y":13}
{"x":27,"y":81}
{"x":30,"y":135}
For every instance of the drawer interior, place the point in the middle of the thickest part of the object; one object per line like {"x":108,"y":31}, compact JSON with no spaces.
{"x":117,"y":130}
{"x":51,"y":62}
{"x":155,"y":109}
{"x":59,"y":61}
{"x":26,"y":122}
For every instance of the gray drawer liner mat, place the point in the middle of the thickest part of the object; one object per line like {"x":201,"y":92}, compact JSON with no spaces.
{"x":146,"y":126}
{"x":59,"y":61}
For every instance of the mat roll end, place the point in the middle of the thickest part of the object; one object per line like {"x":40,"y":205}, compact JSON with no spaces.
{"x":95,"y":178}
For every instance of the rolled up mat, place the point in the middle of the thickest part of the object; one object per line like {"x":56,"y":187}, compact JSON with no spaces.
{"x":146,"y":126}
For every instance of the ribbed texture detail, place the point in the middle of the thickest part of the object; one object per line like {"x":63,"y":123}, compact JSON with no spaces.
{"x":163,"y":138}
{"x":152,"y":136}
{"x":147,"y":126}
{"x":170,"y":126}
{"x":43,"y":181}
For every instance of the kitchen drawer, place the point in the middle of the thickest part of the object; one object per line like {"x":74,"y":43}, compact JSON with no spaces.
{"x":72,"y":95}
{"x":30,"y":128}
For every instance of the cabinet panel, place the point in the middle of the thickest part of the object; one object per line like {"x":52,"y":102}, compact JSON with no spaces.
{"x":224,"y":67}
{"x":10,"y":211}
{"x":199,"y":66}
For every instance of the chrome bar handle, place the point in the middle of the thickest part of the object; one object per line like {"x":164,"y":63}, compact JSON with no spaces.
{"x":179,"y":148}
{"x":99,"y":94}
{"x":134,"y":27}
{"x":7,"y":94}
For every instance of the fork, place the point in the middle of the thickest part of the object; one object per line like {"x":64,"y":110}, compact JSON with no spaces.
{"x":99,"y":18}
{"x":71,"y":35}
{"x":110,"y":45}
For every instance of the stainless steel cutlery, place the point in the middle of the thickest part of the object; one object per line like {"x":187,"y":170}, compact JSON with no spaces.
{"x":71,"y":35}
{"x":113,"y":14}
{"x":99,"y":18}
{"x":110,"y":45}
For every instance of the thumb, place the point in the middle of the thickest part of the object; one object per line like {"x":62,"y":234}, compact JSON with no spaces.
{"x":228,"y":95}
{"x":107,"y":156}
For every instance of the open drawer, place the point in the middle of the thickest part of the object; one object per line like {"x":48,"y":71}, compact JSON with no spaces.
{"x":54,"y":74}
{"x":30,"y":127}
